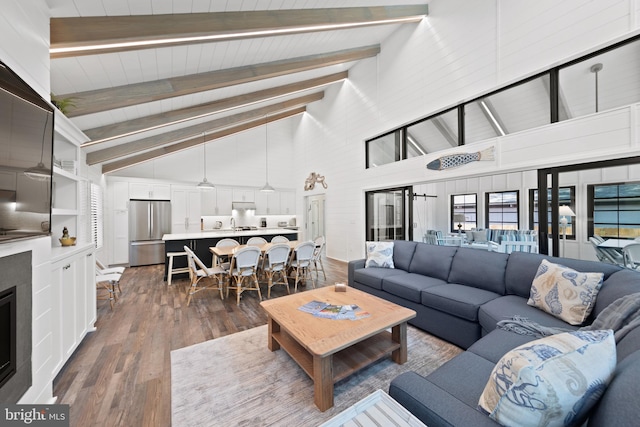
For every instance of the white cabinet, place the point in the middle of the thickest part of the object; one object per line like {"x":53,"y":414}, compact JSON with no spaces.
{"x":120,"y":237}
{"x":120,"y":195}
{"x":185,"y":209}
{"x":208,"y":202}
{"x":267,"y":203}
{"x":287,"y":203}
{"x":224,"y":198}
{"x":149,"y":191}
{"x":73,"y":303}
{"x":243,"y":195}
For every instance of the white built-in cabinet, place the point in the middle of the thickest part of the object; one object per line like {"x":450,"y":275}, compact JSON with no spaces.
{"x":73,"y":302}
{"x":120,"y":222}
{"x":224,"y":198}
{"x":267,"y":203}
{"x":185,"y":209}
{"x":149,"y":191}
{"x":243,"y":195}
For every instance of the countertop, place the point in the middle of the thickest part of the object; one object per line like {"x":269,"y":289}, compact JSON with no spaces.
{"x":212,"y":234}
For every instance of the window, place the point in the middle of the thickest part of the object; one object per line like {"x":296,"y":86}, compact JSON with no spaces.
{"x":434,"y":134}
{"x":502,"y":210}
{"x":467,"y":205}
{"x":97,"y":232}
{"x":566,"y":196}
{"x":384,"y":149}
{"x":614,"y":210}
{"x":388,"y":212}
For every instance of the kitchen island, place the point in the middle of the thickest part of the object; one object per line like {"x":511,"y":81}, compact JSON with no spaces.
{"x":200,"y":242}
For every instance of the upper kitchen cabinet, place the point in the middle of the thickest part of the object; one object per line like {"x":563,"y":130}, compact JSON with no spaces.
{"x":288,"y":203}
{"x":267,"y":203}
{"x":149,"y":191}
{"x":208,"y":202}
{"x":224,"y":198}
{"x":243,"y":195}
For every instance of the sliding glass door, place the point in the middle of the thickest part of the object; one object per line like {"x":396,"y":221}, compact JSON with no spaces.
{"x":388,"y":213}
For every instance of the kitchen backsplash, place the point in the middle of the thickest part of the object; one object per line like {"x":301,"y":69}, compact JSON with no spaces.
{"x":246,"y":219}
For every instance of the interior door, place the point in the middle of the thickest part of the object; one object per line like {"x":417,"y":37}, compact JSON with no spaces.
{"x":387,"y":214}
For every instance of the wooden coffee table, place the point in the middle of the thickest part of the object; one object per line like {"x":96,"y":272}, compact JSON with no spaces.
{"x":329,"y":350}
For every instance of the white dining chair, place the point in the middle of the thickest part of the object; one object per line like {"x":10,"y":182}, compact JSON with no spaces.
{"x":274,"y":263}
{"x":279,"y":239}
{"x":199,"y":271}
{"x":631,"y":256}
{"x":317,"y":255}
{"x":300,"y":261}
{"x":243,"y":271}
{"x":224,"y":243}
{"x":256,"y":241}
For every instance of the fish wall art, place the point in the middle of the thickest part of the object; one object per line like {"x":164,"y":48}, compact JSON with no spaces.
{"x":456,"y":160}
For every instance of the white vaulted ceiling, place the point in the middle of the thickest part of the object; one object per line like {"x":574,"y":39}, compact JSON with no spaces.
{"x":120,"y":93}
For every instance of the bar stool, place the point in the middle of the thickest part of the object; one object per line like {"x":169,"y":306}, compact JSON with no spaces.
{"x":170,"y":270}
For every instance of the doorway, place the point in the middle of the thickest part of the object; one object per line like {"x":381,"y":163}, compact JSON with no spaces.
{"x":315,"y":215}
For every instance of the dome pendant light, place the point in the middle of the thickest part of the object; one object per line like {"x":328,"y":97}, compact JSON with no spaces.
{"x":266,"y":188}
{"x":205,"y":184}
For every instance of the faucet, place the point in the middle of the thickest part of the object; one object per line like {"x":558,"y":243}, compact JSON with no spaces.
{"x":232,"y":223}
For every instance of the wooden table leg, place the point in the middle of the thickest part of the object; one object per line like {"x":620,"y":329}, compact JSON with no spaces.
{"x":274,"y":327}
{"x":323,"y":382}
{"x":399,"y":335}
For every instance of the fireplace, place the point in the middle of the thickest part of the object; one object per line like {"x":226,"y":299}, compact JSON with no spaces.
{"x":7,"y":334}
{"x":15,"y":326}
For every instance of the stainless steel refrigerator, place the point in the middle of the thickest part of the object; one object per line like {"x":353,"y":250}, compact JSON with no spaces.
{"x":149,"y":220}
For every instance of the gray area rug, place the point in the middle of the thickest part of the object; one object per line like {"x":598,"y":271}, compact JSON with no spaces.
{"x":236,"y":381}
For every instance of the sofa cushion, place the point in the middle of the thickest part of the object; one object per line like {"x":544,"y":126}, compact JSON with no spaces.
{"x":458,"y":300}
{"x":522,"y":268}
{"x":373,"y":276}
{"x":433,"y":260}
{"x":480,"y":269}
{"x":498,"y":343}
{"x":379,"y":254}
{"x":621,"y":283}
{"x":409,"y":286}
{"x":618,"y":406}
{"x":504,"y":308}
{"x":564,"y":292}
{"x":403,"y":253}
{"x":550,"y":381}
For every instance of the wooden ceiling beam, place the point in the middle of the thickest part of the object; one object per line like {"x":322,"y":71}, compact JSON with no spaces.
{"x":127,"y":128}
{"x":235,"y":121}
{"x":192,"y":142}
{"x":75,"y":36}
{"x":99,"y":100}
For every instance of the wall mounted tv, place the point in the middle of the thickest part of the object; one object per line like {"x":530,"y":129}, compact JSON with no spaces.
{"x":26,"y":158}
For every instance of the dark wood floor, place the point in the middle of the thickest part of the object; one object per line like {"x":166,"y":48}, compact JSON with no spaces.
{"x":120,"y":374}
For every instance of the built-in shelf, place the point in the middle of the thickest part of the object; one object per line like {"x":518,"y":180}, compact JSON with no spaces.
{"x":61,"y":212}
{"x":61,"y":172}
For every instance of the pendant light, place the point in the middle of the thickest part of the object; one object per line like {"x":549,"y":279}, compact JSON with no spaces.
{"x":267,"y":188}
{"x":40,"y":172}
{"x":204,"y":184}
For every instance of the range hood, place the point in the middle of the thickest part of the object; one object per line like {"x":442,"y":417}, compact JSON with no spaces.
{"x":243,"y":206}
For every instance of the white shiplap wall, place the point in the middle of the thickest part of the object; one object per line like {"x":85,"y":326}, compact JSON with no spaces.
{"x":460,"y":51}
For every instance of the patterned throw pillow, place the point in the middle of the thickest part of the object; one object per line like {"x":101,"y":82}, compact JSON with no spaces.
{"x":553,"y":381}
{"x":565,"y":293}
{"x":379,"y":254}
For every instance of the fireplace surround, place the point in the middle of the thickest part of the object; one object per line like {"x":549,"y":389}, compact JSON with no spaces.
{"x":16,"y":273}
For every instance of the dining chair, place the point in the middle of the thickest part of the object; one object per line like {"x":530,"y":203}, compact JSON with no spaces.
{"x":279,"y":239}
{"x":198,"y":271}
{"x":608,"y":255}
{"x":224,"y":243}
{"x":243,"y":269}
{"x":274,"y":263}
{"x":256,"y":241}
{"x":317,"y":255}
{"x":300,"y":261}
{"x":631,"y":256}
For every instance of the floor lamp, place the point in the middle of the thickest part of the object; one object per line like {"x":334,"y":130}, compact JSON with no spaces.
{"x":564,"y":211}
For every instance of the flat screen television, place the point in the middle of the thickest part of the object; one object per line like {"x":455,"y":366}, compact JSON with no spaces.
{"x":26,"y":159}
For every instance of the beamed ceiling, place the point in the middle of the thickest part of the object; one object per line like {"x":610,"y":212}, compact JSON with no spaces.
{"x":150,"y":78}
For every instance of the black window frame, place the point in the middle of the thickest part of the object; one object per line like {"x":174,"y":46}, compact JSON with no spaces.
{"x":487,"y":211}
{"x":591,"y":209}
{"x":533,"y":210}
{"x":453,"y":211}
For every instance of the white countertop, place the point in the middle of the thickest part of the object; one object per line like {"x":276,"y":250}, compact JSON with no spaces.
{"x":212,"y":234}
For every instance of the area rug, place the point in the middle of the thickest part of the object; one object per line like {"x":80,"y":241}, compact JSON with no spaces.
{"x":236,"y":381}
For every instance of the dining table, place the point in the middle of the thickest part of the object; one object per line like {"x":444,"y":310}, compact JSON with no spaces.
{"x":616,"y":243}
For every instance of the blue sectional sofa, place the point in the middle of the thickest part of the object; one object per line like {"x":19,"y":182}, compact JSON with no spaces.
{"x":460,"y":294}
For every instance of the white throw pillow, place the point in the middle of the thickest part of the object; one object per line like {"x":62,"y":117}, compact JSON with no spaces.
{"x":379,"y":254}
{"x":565,"y":293}
{"x":553,"y":381}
